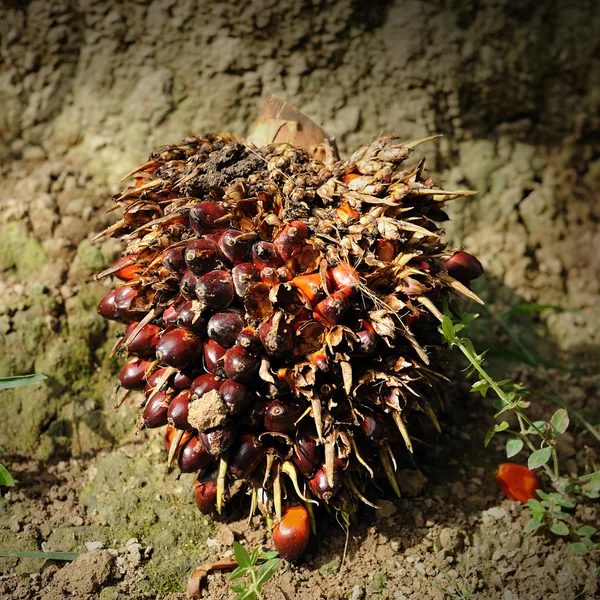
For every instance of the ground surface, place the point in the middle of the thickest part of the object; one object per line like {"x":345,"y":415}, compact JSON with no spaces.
{"x":88,"y":88}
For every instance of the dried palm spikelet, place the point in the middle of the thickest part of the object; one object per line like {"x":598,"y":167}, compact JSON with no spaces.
{"x":281,"y":310}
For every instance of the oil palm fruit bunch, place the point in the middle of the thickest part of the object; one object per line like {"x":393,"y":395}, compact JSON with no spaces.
{"x":280,"y":313}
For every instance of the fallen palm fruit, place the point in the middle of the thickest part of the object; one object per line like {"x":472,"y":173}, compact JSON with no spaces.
{"x":517,"y":482}
{"x":277,"y":301}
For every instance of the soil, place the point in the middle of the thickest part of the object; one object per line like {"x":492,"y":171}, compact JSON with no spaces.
{"x":88,"y":88}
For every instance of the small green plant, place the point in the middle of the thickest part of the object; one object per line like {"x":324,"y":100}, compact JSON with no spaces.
{"x":5,"y":384}
{"x":257,"y":566}
{"x":552,"y":510}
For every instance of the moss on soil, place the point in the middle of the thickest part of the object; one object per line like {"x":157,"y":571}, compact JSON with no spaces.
{"x":19,"y":251}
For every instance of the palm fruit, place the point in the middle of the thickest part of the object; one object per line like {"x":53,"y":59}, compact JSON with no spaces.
{"x":281,"y":308}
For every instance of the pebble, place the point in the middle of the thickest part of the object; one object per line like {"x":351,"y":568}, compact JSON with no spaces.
{"x":357,"y":593}
{"x":91,"y":546}
{"x":386,"y":509}
{"x":14,"y":524}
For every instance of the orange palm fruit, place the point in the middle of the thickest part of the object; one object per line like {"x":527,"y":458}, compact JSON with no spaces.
{"x":517,"y":482}
{"x":292,"y":533}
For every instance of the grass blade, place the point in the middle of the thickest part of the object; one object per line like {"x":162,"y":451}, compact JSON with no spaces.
{"x":7,"y":383}
{"x":44,"y":555}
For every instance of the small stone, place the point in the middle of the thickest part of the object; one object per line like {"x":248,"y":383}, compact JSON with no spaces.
{"x":386,"y":509}
{"x":131,"y":542}
{"x":91,"y":546}
{"x":411,"y":482}
{"x":87,"y":574}
{"x":225,"y":535}
{"x":395,"y":545}
{"x":452,"y":539}
{"x":14,"y":524}
{"x":357,"y":593}
{"x":496,"y":513}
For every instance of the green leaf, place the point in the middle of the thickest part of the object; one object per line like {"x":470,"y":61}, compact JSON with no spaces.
{"x":481,"y":386}
{"x":269,"y":555}
{"x":532,"y":525}
{"x":241,"y":555}
{"x":501,"y":426}
{"x":254,"y":556}
{"x":586,"y":530}
{"x":542,"y":494}
{"x":237,"y":573}
{"x":267,"y":570}
{"x":513,"y":447}
{"x":44,"y":555}
{"x":448,"y":329}
{"x":238,"y":587}
{"x":539,"y":458}
{"x":586,"y":542}
{"x":468,"y":317}
{"x":559,"y":528}
{"x":488,"y":436}
{"x":595,"y":482}
{"x":579,"y":548}
{"x":561,"y":501}
{"x":535,"y":427}
{"x":7,"y":383}
{"x":560,"y":421}
{"x":537,"y":509}
{"x":5,"y":477}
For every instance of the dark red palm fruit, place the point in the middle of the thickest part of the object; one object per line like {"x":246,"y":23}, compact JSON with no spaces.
{"x":177,"y":415}
{"x":308,"y":456}
{"x":245,"y":456}
{"x":224,"y":327}
{"x":214,"y":357}
{"x":107,"y":307}
{"x":291,"y":239}
{"x":178,"y":348}
{"x":173,"y":260}
{"x":130,"y":270}
{"x":191,"y":319}
{"x":424,"y":265}
{"x":332,"y":309}
{"x":281,"y":416}
{"x":193,"y":456}
{"x":301,"y":318}
{"x":320,"y":360}
{"x":201,"y":256}
{"x":215,"y":289}
{"x":464,"y":266}
{"x":182,"y":380}
{"x":216,"y":441}
{"x":170,"y":315}
{"x":249,"y":340}
{"x":204,"y":214}
{"x":346,"y":279}
{"x":284,"y":275}
{"x":240,"y":365}
{"x":269,"y":276}
{"x":132,"y":375}
{"x":367,"y":339}
{"x":236,"y":245}
{"x":311,"y":286}
{"x":256,"y":416}
{"x":374,"y":429}
{"x":123,"y":300}
{"x":204,"y":384}
{"x":188,"y":285}
{"x":264,"y":254}
{"x":291,"y":534}
{"x":244,"y":275}
{"x":237,"y":397}
{"x":153,"y":379}
{"x":319,"y":485}
{"x":205,"y":493}
{"x":276,"y":336}
{"x":144,"y":342}
{"x":155,"y":411}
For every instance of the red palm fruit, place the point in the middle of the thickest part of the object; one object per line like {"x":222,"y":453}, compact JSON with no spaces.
{"x":291,"y":238}
{"x":301,"y":318}
{"x":464,"y":266}
{"x":170,"y":315}
{"x":367,"y":339}
{"x":264,"y":254}
{"x":182,"y":380}
{"x":308,"y":456}
{"x":236,"y":245}
{"x":188,"y":285}
{"x":224,"y":327}
{"x":130,"y":270}
{"x":346,"y":279}
{"x":424,"y":265}
{"x":201,"y":256}
{"x":153,"y":379}
{"x":282,"y":416}
{"x":205,"y":493}
{"x":374,"y":429}
{"x":332,"y":309}
{"x":386,"y":250}
{"x":204,"y":384}
{"x":123,"y":300}
{"x":216,"y":441}
{"x":310,"y":286}
{"x":284,"y":275}
{"x":193,"y":456}
{"x":276,"y":336}
{"x":178,"y":348}
{"x":237,"y":397}
{"x":245,"y":456}
{"x":319,"y":485}
{"x":214,"y":356}
{"x":256,"y":416}
{"x":346,"y":214}
{"x":203,"y":216}
{"x":240,"y":365}
{"x":172,"y":259}
{"x":144,"y":342}
{"x":244,"y":275}
{"x":248,"y":339}
{"x":190,"y":318}
{"x":132,"y":375}
{"x":269,"y":276}
{"x":517,"y":482}
{"x":292,"y":533}
{"x":107,"y":307}
{"x":177,"y":414}
{"x":348,"y":177}
{"x":215,"y":289}
{"x":168,"y":436}
{"x":155,"y":411}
